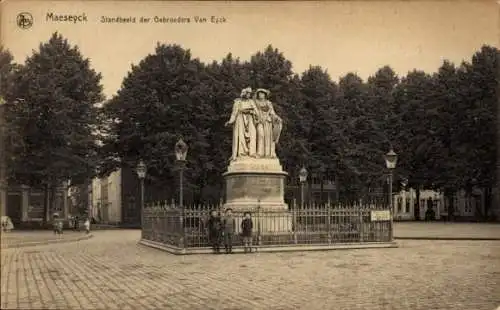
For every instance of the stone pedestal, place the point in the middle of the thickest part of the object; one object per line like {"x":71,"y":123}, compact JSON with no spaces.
{"x":254,"y":182}
{"x":259,"y":184}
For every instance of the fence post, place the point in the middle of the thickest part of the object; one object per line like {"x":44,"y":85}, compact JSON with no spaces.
{"x":329,"y":225}
{"x":361,"y":225}
{"x":294,"y":221}
{"x":259,"y":222}
{"x":181,"y":222}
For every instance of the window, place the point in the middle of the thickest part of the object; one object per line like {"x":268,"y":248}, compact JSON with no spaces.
{"x":407,"y":205}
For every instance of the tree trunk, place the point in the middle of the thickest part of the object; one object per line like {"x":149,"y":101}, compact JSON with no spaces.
{"x":52,"y":200}
{"x":321,"y":191}
{"x":488,"y":200}
{"x":449,"y":194}
{"x":416,"y":208}
{"x":46,"y":203}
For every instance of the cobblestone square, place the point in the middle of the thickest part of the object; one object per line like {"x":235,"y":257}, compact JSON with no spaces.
{"x":110,"y":271}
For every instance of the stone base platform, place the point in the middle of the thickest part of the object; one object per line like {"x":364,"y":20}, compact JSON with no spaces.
{"x":270,"y":248}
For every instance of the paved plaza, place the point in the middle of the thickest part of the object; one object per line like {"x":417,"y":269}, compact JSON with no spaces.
{"x":110,"y":271}
{"x":446,"y":230}
{"x":30,"y":238}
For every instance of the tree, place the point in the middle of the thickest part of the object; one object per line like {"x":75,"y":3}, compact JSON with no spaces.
{"x":381,"y":104}
{"x":415,"y":138}
{"x":52,"y":113}
{"x":163,"y":98}
{"x":320,"y":125}
{"x":475,"y":132}
{"x":7,"y":70}
{"x":361,"y":164}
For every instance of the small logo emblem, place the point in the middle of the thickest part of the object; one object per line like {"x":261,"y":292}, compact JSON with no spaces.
{"x":24,"y":20}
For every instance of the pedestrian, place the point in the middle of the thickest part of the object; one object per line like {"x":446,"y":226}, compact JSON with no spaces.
{"x":76,"y":223}
{"x":229,"y":224}
{"x":246,"y":231}
{"x":86,"y":224}
{"x":58,"y":224}
{"x":214,"y":231}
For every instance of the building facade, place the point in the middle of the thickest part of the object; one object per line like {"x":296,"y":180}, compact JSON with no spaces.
{"x":115,"y":199}
{"x":25,"y":204}
{"x":465,"y":206}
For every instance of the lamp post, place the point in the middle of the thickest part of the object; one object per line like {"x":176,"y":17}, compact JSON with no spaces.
{"x":391,"y":159}
{"x":302,"y":179}
{"x":3,"y":182}
{"x":181,"y":149}
{"x":141,"y":173}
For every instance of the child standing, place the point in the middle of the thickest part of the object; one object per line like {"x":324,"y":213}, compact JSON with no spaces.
{"x":246,"y":232}
{"x":229,"y":224}
{"x":58,"y":224}
{"x":214,"y":231}
{"x":86,"y":224}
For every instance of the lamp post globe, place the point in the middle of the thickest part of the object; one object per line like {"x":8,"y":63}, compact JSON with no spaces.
{"x":181,"y":150}
{"x":302,"y":180}
{"x":391,"y":158}
{"x":303,"y":175}
{"x":141,"y":170}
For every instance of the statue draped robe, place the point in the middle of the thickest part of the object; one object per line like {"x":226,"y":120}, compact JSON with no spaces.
{"x":244,"y":131}
{"x":268,"y":128}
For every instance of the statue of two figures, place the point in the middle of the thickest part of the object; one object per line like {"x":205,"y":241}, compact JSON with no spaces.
{"x":256,"y":126}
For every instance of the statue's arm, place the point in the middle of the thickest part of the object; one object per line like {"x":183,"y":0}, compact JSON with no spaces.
{"x":234,"y":113}
{"x":273,"y":113}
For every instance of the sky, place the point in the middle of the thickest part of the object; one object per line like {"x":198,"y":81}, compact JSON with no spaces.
{"x":341,"y":37}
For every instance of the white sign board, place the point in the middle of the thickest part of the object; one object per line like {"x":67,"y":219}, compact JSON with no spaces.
{"x":380,"y":215}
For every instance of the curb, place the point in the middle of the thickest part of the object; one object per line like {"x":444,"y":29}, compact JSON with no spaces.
{"x":268,"y":249}
{"x":46,"y":242}
{"x":449,"y":238}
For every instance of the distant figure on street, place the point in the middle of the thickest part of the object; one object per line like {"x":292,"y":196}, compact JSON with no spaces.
{"x":7,"y":224}
{"x":229,"y":224}
{"x":214,"y":231}
{"x":76,"y":223}
{"x":246,"y":232}
{"x":58,"y":224}
{"x":86,"y":224}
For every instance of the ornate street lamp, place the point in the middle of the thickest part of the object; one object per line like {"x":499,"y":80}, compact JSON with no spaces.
{"x":141,"y":173}
{"x":391,"y":158}
{"x":3,"y":177}
{"x":302,"y":180}
{"x":181,"y":149}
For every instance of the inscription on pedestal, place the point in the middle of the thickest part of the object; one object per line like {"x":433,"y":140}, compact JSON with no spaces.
{"x":253,"y":187}
{"x":255,"y":166}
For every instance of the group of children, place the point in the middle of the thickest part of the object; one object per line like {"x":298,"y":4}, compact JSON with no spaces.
{"x":58,"y":225}
{"x":222,"y":229}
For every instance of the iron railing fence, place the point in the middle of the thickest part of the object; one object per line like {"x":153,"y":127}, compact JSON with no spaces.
{"x":312,"y":224}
